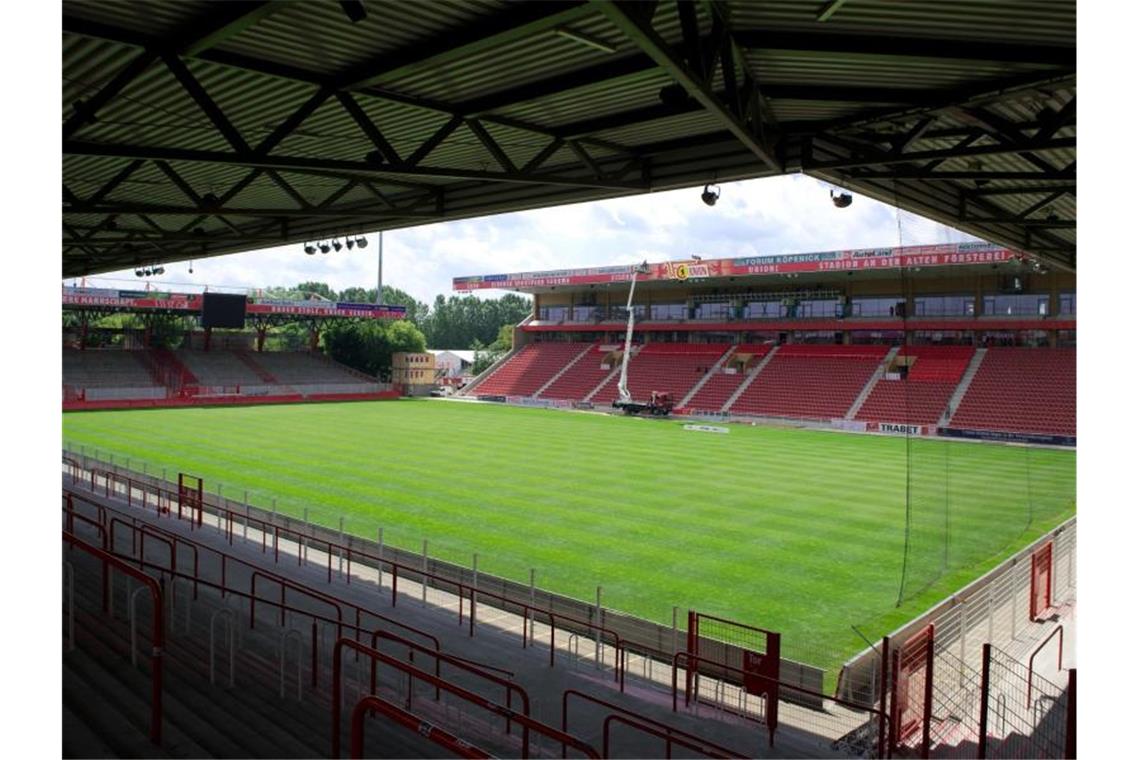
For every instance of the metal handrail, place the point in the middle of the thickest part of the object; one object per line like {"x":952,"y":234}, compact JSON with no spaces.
{"x":463,"y":590}
{"x":643,"y":718}
{"x":670,"y":740}
{"x":286,"y":637}
{"x":523,"y":719}
{"x":264,"y":573}
{"x":157,"y":626}
{"x":69,"y":576}
{"x":1060,"y":629}
{"x":230,"y":629}
{"x":373,"y":703}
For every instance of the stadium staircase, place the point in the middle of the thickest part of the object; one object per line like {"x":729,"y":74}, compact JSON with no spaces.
{"x":530,"y":368}
{"x":170,"y":370}
{"x":274,"y":708}
{"x":589,"y":349}
{"x":871,"y":383}
{"x":963,"y":386}
{"x":714,"y":371}
{"x":581,"y":379}
{"x":922,"y":396}
{"x":808,"y":381}
{"x":265,"y":375}
{"x":1031,"y":390}
{"x":672,"y":367}
{"x":751,"y":376}
{"x":611,"y":375}
{"x":719,"y":385}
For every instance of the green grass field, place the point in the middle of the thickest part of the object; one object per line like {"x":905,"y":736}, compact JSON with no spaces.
{"x":796,"y":530}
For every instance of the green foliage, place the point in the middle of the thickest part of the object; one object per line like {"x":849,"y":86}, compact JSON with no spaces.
{"x":487,"y":355}
{"x":457,"y":322}
{"x":796,"y":530}
{"x":368,"y":344}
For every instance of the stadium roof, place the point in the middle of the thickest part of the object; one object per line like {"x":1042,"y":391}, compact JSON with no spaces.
{"x":195,"y":128}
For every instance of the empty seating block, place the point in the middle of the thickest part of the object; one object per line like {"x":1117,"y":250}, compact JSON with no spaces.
{"x":530,"y":369}
{"x":580,"y":378}
{"x":671,"y":367}
{"x":95,"y":368}
{"x":1029,"y":390}
{"x":922,"y":398}
{"x":720,"y":387}
{"x":810,"y":381}
{"x":214,"y":368}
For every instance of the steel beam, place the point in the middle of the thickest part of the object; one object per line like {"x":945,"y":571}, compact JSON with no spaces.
{"x":643,"y":35}
{"x":885,"y":159}
{"x":343,"y":169}
{"x":882,"y":47}
{"x":156,"y":209}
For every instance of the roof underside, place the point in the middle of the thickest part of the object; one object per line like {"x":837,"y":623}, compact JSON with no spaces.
{"x":193,"y":128}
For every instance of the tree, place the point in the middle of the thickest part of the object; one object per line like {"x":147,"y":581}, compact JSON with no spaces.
{"x":485,"y":356}
{"x":322,"y":289}
{"x":367,"y":345}
{"x":456,"y":322}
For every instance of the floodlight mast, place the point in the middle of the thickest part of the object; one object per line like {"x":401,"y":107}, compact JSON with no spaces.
{"x":623,"y":389}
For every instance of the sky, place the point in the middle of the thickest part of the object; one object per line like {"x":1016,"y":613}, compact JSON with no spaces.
{"x":786,"y":214}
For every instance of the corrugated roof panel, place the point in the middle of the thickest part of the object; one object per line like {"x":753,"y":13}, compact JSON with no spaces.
{"x":1010,"y":21}
{"x":660,"y":130}
{"x":623,"y":94}
{"x":319,"y":37}
{"x":150,"y":18}
{"x":839,"y":69}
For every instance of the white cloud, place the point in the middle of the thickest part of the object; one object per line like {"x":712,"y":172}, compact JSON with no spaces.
{"x":775,"y":215}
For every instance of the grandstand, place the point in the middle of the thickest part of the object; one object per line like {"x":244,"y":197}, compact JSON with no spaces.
{"x":199,"y":624}
{"x":962,"y":354}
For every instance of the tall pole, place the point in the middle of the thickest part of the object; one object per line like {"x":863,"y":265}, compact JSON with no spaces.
{"x":380,"y":267}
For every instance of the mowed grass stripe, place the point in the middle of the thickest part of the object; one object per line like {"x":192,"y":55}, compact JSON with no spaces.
{"x":796,"y":530}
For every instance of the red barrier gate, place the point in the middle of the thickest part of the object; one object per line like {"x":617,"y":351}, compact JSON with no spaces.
{"x":913,"y":689}
{"x":190,"y":495}
{"x":755,"y":651}
{"x":1041,"y":582}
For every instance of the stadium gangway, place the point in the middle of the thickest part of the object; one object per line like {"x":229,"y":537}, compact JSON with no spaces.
{"x":434,"y":734}
{"x":463,"y":590}
{"x":268,"y":574}
{"x":670,"y":739}
{"x":637,"y":720}
{"x":884,"y":747}
{"x":157,"y":623}
{"x":523,"y":719}
{"x":1060,"y":629}
{"x":471,"y":666}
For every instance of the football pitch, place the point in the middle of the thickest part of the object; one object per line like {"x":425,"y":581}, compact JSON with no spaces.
{"x":800,"y":531}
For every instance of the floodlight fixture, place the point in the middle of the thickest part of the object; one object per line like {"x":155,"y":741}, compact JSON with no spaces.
{"x":349,"y":242}
{"x":362,"y":242}
{"x":310,"y":249}
{"x":841,"y":200}
{"x":336,"y":244}
{"x":709,"y":196}
{"x":324,"y":247}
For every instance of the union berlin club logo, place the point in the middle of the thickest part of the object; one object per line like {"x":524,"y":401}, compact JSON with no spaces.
{"x":686,"y":270}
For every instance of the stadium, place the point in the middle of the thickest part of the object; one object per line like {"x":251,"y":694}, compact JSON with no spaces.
{"x":806,"y":503}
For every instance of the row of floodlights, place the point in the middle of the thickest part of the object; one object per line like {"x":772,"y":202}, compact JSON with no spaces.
{"x":148,"y":271}
{"x":333,"y":244}
{"x":711,"y":195}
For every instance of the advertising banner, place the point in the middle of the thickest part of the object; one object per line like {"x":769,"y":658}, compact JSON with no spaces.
{"x":142,"y":300}
{"x":950,"y":254}
{"x":1009,"y":437}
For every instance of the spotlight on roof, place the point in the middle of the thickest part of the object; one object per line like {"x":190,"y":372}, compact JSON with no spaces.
{"x":138,"y":273}
{"x":841,"y":200}
{"x":362,"y":242}
{"x":349,"y":242}
{"x":325,"y":248}
{"x":160,"y":270}
{"x":336,"y":244}
{"x":310,"y":248}
{"x":709,"y":197}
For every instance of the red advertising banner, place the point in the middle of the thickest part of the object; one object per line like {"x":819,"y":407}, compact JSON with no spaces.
{"x":951,"y":254}
{"x":192,"y":302}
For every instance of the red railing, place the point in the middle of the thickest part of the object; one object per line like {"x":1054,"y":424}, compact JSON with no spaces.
{"x":883,"y":718}
{"x":156,"y":631}
{"x":670,"y":740}
{"x":259,"y":572}
{"x":436,"y":735}
{"x":1060,"y":629}
{"x":462,"y":590}
{"x":705,"y":746}
{"x":523,"y":719}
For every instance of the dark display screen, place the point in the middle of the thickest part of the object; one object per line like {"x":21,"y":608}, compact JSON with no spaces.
{"x":223,"y":310}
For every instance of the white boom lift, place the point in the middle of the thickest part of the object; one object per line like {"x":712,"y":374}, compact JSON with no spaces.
{"x":659,"y":404}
